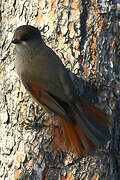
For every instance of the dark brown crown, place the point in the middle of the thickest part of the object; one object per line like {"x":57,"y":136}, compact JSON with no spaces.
{"x":26,"y":32}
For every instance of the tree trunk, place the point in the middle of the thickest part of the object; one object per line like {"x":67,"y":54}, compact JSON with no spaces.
{"x":85,"y":34}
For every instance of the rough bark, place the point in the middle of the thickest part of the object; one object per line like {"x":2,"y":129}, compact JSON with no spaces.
{"x":85,"y":34}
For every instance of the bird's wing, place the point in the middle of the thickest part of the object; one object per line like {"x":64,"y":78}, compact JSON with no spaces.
{"x":46,"y":99}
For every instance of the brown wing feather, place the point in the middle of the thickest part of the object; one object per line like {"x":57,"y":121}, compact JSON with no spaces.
{"x":43,"y":98}
{"x":83,"y":125}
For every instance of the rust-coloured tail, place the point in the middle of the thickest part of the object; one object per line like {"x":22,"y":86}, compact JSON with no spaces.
{"x":88,"y":128}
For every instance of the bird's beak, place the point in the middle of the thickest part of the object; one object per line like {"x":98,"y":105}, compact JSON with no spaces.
{"x":16,"y":41}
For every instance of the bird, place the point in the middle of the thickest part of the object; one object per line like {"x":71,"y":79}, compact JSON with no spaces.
{"x":47,"y":80}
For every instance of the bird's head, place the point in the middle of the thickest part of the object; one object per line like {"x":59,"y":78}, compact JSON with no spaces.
{"x":26,"y":34}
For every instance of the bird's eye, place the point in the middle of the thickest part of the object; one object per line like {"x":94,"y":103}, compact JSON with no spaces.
{"x":24,"y":38}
